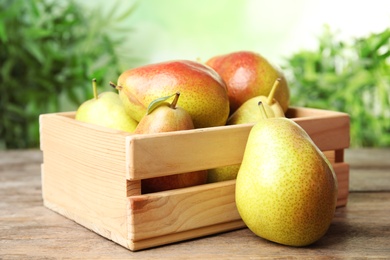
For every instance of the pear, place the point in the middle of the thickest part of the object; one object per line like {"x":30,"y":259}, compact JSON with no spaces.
{"x":223,"y":173}
{"x":164,"y":117}
{"x":167,"y":117}
{"x":204,"y":92}
{"x":286,"y":189}
{"x":248,"y":74}
{"x":271,"y":101}
{"x":105,"y":110}
{"x":249,"y":112}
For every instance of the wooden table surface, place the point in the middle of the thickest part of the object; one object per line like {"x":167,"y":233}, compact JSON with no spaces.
{"x":28,"y":230}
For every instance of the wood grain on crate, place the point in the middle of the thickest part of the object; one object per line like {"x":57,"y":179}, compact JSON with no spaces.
{"x":93,"y":175}
{"x":192,"y":150}
{"x":182,"y":214}
{"x":83,"y":174}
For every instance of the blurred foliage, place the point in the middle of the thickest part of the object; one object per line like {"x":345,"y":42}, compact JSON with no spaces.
{"x":351,"y":76}
{"x":49,"y":52}
{"x":51,"y":49}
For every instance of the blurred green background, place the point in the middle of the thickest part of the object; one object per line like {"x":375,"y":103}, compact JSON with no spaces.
{"x":334,"y":53}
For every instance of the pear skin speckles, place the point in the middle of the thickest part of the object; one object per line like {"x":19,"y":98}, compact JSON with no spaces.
{"x":286,"y":190}
{"x":203,"y":92}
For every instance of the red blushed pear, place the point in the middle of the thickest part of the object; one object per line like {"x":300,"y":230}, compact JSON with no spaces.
{"x":164,"y":117}
{"x":204,"y":93}
{"x":247,"y":75}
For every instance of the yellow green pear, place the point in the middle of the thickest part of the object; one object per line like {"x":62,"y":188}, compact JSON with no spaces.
{"x":248,"y":112}
{"x":223,"y":173}
{"x":286,"y":189}
{"x":105,"y":110}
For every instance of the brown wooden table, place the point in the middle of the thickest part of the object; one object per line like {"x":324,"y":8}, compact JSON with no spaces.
{"x":28,"y":230}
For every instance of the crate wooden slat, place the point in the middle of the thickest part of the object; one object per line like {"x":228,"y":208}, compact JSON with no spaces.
{"x":328,"y":131}
{"x":93,"y":175}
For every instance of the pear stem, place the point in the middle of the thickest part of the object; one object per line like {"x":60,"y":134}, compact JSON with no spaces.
{"x":174,"y":102}
{"x":263,"y":114}
{"x":94,"y":88}
{"x":272,"y":92}
{"x":112,"y":84}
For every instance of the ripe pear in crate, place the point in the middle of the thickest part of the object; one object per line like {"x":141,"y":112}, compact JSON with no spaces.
{"x":248,"y":112}
{"x":248,"y":74}
{"x":163,"y":116}
{"x":105,"y":109}
{"x":204,"y":93}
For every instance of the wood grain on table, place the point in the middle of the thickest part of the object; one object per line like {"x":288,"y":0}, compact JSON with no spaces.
{"x":28,"y":230}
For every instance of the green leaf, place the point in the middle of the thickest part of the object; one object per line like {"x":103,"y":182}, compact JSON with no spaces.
{"x":157,"y":102}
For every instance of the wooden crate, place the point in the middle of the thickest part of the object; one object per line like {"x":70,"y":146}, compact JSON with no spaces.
{"x":92,"y":175}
